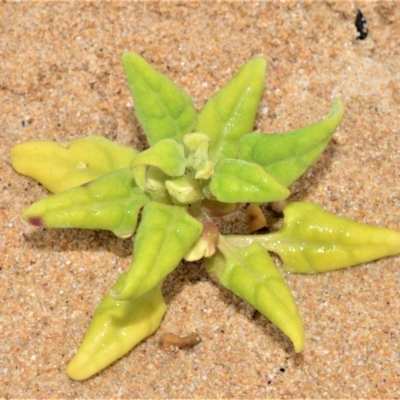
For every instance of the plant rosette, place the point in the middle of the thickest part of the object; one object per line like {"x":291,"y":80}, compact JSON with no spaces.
{"x":199,"y":166}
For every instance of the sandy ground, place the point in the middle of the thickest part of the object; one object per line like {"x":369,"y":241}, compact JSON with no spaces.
{"x":61,"y":78}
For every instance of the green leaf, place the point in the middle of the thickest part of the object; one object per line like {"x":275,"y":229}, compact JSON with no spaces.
{"x":251,"y":274}
{"x":163,"y":109}
{"x":231,"y":112}
{"x":111,"y":202}
{"x":61,"y":166}
{"x":167,"y":155}
{"x":197,"y":148}
{"x":313,"y":240}
{"x":287,"y":156}
{"x":236,"y":181}
{"x":116,"y":327}
{"x":184,"y":190}
{"x":206,"y":244}
{"x":164,"y":236}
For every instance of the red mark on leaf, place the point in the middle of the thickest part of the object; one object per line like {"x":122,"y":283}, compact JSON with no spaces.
{"x":36,"y":221}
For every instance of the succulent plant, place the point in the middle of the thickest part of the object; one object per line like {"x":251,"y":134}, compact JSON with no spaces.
{"x":199,"y":166}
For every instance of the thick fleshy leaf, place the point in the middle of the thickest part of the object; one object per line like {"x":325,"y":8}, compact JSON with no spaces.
{"x":236,"y":181}
{"x":197,"y":147}
{"x":313,"y":240}
{"x":111,"y":202}
{"x":167,"y":155}
{"x":63,"y":165}
{"x":206,"y":244}
{"x":164,"y":236}
{"x":116,"y":327}
{"x":184,"y":190}
{"x":163,"y":109}
{"x":155,"y":185}
{"x":192,"y":141}
{"x":251,"y":274}
{"x":231,"y":112}
{"x":286,"y":156}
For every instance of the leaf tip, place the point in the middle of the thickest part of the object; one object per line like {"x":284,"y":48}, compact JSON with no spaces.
{"x":36,"y":221}
{"x":299,"y":342}
{"x":80,"y":367}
